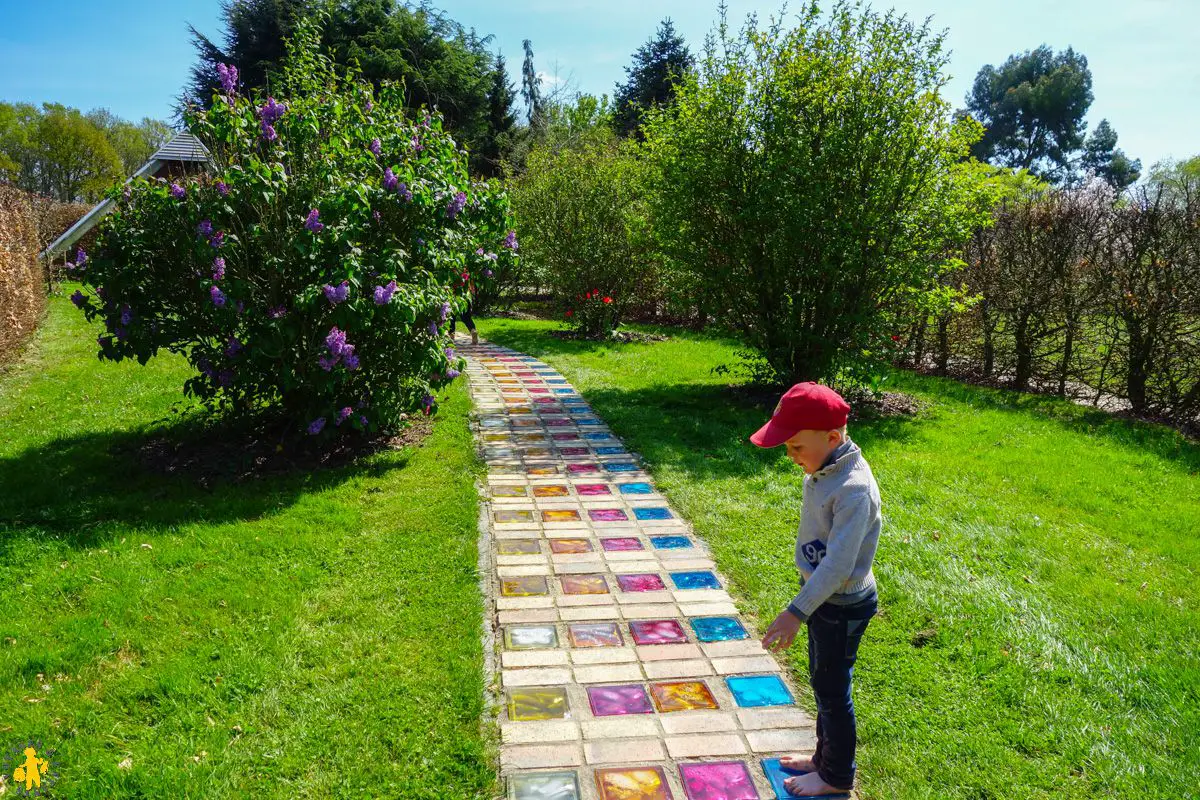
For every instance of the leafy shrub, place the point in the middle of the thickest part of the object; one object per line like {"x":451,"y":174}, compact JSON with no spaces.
{"x":803,"y":183}
{"x":580,"y":208}
{"x":311,"y":272}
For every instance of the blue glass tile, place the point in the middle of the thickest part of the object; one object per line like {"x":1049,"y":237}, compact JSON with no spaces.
{"x":563,"y":391}
{"x":777,"y":774}
{"x":759,"y":690}
{"x":633,"y":488}
{"x":589,"y":422}
{"x":609,"y":451}
{"x":556,"y":381}
{"x":718,"y":629}
{"x":622,"y":467}
{"x":654,"y":512}
{"x":702,"y":579}
{"x":670,"y":542}
{"x":595,"y":437}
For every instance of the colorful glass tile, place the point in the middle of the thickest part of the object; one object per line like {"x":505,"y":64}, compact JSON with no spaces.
{"x":653,"y":512}
{"x":718,"y":780}
{"x":555,"y":490}
{"x":609,"y":701}
{"x":592,"y":489}
{"x":496,"y":437}
{"x":619,"y":467}
{"x":583,"y":584}
{"x":518,"y":547}
{"x":609,"y":451}
{"x":641,"y":582}
{"x":538,"y":390}
{"x":542,"y":469}
{"x":637,"y":783}
{"x":682,"y":696}
{"x":718,"y":629}
{"x":537,"y":451}
{"x":658,"y":631}
{"x":556,"y":422}
{"x":702,"y":579}
{"x":636,"y":488}
{"x":607,"y":515}
{"x":595,"y":634}
{"x":573,"y":451}
{"x":621,"y":544}
{"x":570,"y":546}
{"x":544,"y":786}
{"x":777,"y":773}
{"x":509,"y":491}
{"x":752,"y":691}
{"x":596,"y":437}
{"x":562,"y":391}
{"x":524,"y":586}
{"x":510,"y":515}
{"x":582,"y":469}
{"x":670,"y":542}
{"x":525,"y":705}
{"x":589,"y":422}
{"x":564,"y":436}
{"x":556,"y":381}
{"x":530,"y":637}
{"x":544,"y":401}
{"x":560,"y":515}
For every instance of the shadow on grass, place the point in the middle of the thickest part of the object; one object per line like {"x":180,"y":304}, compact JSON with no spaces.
{"x":86,"y":489}
{"x":704,"y":430}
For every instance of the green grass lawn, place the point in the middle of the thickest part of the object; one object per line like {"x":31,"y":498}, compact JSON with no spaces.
{"x":1038,"y":570}
{"x":308,"y":635}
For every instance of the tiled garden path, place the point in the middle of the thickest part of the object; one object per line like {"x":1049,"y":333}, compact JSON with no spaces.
{"x":625,"y":671}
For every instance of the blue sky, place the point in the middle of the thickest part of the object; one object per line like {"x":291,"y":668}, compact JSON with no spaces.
{"x":132,"y":56}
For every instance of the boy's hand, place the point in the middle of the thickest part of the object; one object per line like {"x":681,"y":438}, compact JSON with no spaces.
{"x":782,"y":632}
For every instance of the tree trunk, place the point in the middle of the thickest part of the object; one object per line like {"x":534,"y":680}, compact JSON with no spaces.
{"x":1135,"y":379}
{"x":1024,"y":348}
{"x":943,"y":340}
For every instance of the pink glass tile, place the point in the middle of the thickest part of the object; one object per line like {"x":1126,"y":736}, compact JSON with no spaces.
{"x":573,"y":451}
{"x":647,"y":582}
{"x":659,"y":631}
{"x":590,"y":489}
{"x":722,"y":780}
{"x":582,"y":469}
{"x":608,"y":701}
{"x":609,"y":515}
{"x":621,"y":543}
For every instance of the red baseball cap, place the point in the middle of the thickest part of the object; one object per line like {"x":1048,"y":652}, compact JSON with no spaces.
{"x":805,"y":406}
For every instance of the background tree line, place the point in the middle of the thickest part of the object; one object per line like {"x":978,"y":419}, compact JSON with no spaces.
{"x":62,"y":153}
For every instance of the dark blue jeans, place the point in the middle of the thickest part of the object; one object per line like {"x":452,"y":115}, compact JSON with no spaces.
{"x":834,"y":633}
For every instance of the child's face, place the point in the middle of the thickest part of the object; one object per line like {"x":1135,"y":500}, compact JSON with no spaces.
{"x":809,"y":449}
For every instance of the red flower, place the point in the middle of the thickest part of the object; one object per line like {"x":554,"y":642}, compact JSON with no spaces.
{"x":895,"y":338}
{"x":608,"y":300}
{"x":570,"y":312}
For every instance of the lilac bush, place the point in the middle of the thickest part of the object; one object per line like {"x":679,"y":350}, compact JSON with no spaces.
{"x":310,"y":271}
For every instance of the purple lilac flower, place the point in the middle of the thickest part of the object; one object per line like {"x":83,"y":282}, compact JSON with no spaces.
{"x":223,"y":188}
{"x":339,"y":350}
{"x":420,"y":241}
{"x":268,"y":132}
{"x":218,"y":268}
{"x":369,"y":106}
{"x":313,"y":221}
{"x":450,"y":353}
{"x":452,"y":373}
{"x":456,"y":205}
{"x":233,"y":347}
{"x":337,"y":294}
{"x":510,"y":241}
{"x":217,"y":239}
{"x":433,"y":329}
{"x":126,"y":314}
{"x":490,"y":256}
{"x":487,"y":273}
{"x":327,"y":363}
{"x":383,"y":294}
{"x":271,"y":111}
{"x":389,"y":179}
{"x":177,"y":191}
{"x":362,"y":420}
{"x":205,"y":228}
{"x":427,"y":401}
{"x":78,"y":299}
{"x":316,"y":426}
{"x":376,"y":216}
{"x":218,"y":297}
{"x":416,"y":144}
{"x":121,"y":333}
{"x":225,"y":377}
{"x":406,"y":193}
{"x":126,"y":192}
{"x":336,"y":341}
{"x":376,"y":147}
{"x":341,"y":417}
{"x":229,"y":77}
{"x":350,"y":361}
{"x":276,"y":312}
{"x":479,"y":252}
{"x":445,"y":311}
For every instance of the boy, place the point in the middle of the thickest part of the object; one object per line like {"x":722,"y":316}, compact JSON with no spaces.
{"x":839,"y":530}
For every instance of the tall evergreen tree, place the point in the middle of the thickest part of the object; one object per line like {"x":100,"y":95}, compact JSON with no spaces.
{"x":531,"y":88}
{"x":1101,"y":156}
{"x":650,"y":82}
{"x":1032,"y":110}
{"x":501,"y":120}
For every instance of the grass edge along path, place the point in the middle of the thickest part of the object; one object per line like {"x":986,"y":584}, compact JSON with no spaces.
{"x":1037,"y":570}
{"x":305,"y":635}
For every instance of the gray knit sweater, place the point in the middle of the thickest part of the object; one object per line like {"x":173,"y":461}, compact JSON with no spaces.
{"x":839,"y":530}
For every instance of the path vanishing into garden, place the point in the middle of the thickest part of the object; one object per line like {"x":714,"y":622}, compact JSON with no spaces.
{"x":625,"y":671}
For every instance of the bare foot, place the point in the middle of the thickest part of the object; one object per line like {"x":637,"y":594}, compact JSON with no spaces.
{"x":474,"y":337}
{"x":811,"y":785}
{"x":798,"y":763}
